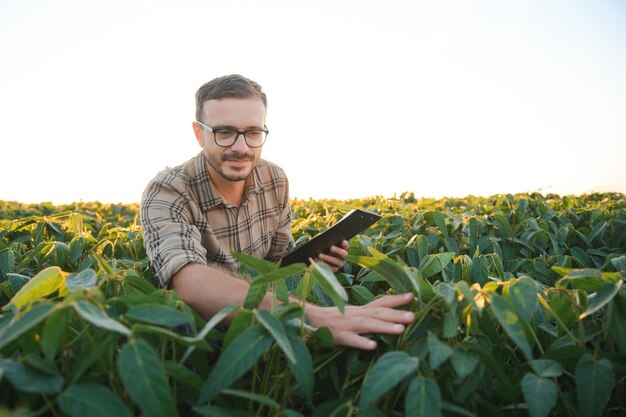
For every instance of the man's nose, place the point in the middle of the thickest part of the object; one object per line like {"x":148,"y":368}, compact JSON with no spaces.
{"x":240,"y":145}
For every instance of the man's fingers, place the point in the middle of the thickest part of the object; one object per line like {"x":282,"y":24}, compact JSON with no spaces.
{"x":331,"y":260}
{"x":391,"y":315}
{"x":379,"y":316}
{"x":373,"y":325}
{"x":354,"y":340}
{"x":396,"y":300}
{"x":341,"y":251}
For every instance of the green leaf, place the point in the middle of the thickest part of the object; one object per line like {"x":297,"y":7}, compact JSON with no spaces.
{"x":17,"y":281}
{"x":523,"y":293}
{"x":562,"y":306}
{"x":511,"y":324}
{"x":423,"y":398}
{"x":143,"y":378}
{"x":393,"y":273}
{"x":455,"y":409}
{"x":617,"y":322}
{"x":99,"y":318}
{"x":214,"y":321}
{"x":281,"y":273}
{"x":594,"y":383}
{"x":480,"y":270}
{"x":329,"y":283}
{"x":601,"y":298}
{"x":539,"y":394}
{"x":446,"y":291}
{"x":76,"y":248}
{"x":83,"y":279}
{"x":619,"y":263}
{"x":184,"y":375}
{"x":451,"y":245}
{"x":463,"y":362}
{"x":370,"y":412}
{"x":133,"y":283}
{"x":305,"y":286}
{"x":22,"y":323}
{"x":92,"y":400}
{"x":258,"y":287}
{"x":324,"y":338}
{"x":237,"y":326}
{"x":236,"y":360}
{"x":585,"y":279}
{"x":494,"y":366}
{"x":561,"y":270}
{"x":215,"y":411}
{"x":424,"y":287}
{"x":440,"y":222}
{"x":423,"y":246}
{"x":292,"y":413}
{"x":62,"y":253}
{"x":255,"y":295}
{"x":361,"y":295}
{"x":546,"y":368}
{"x":387,"y":372}
{"x":105,"y":347}
{"x":412,"y":256}
{"x":259,"y":398}
{"x":598,"y":229}
{"x":53,"y":330}
{"x":161,"y":315}
{"x":433,"y":264}
{"x":302,"y":368}
{"x":44,"y":283}
{"x":336,"y":407}
{"x":580,"y":255}
{"x":438,"y":351}
{"x":256,"y":263}
{"x":503,"y":224}
{"x":450,"y":323}
{"x":281,"y":291}
{"x":27,"y":378}
{"x":372,"y":276}
{"x":277,"y":330}
{"x":7,"y":262}
{"x":141,"y":328}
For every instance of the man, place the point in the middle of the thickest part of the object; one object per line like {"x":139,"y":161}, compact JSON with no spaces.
{"x":228,"y":198}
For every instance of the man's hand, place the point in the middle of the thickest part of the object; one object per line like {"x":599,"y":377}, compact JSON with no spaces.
{"x":208,"y":290}
{"x":337,"y":256}
{"x":378,"y":316}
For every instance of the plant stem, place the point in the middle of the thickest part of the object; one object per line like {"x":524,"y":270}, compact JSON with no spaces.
{"x":545,"y":305}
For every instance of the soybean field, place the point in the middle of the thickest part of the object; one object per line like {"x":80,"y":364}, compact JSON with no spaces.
{"x":520,"y":309}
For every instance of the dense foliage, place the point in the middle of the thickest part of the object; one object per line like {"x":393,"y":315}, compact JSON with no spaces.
{"x":520,"y":303}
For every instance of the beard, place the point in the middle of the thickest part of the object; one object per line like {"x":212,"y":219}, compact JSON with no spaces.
{"x":231,"y":173}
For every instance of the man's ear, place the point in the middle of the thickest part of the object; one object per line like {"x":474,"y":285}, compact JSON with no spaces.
{"x":197,"y":130}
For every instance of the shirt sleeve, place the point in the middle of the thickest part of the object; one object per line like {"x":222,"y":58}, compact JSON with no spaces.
{"x":170,"y":236}
{"x":282,"y":242}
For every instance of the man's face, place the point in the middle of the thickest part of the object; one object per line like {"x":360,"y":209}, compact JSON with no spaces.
{"x":236,"y":162}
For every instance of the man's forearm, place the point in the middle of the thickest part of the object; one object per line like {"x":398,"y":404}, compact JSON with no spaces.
{"x":208,"y":289}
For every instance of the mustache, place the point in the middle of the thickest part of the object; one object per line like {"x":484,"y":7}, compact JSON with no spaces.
{"x":236,"y":156}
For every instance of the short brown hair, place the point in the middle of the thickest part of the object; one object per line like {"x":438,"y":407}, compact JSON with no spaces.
{"x":233,"y":85}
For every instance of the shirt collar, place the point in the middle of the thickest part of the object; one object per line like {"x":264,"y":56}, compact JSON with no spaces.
{"x":208,"y":195}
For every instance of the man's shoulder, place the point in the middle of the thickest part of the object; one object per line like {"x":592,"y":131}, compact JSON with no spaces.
{"x":179,"y":177}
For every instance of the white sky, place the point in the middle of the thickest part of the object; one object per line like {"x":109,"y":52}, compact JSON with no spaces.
{"x":442,"y":98}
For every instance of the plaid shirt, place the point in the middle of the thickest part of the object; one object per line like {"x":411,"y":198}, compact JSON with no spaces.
{"x":186,"y":220}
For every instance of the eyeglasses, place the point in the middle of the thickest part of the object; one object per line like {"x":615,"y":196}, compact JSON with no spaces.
{"x":226,"y":137}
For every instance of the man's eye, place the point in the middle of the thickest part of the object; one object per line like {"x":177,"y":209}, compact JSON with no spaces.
{"x":254,"y":134}
{"x":224,"y":132}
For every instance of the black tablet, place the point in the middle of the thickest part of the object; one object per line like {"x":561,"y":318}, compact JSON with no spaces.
{"x":349,"y":226}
